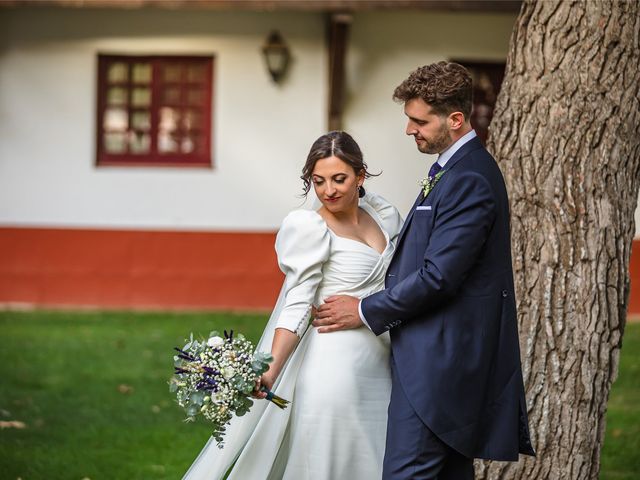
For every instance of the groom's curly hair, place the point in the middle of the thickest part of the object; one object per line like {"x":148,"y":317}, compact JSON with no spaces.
{"x":446,"y":86}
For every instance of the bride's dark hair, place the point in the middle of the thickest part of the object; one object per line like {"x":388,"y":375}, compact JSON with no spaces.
{"x":334,"y":144}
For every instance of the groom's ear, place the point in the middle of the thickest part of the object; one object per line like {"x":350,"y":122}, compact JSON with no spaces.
{"x":456,"y":120}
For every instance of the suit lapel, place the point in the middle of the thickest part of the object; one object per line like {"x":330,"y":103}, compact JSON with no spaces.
{"x":409,"y":217}
{"x":470,"y":146}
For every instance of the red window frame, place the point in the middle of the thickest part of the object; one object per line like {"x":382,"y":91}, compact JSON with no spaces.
{"x":200,"y":108}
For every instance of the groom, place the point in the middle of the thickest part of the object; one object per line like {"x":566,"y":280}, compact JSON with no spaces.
{"x":449,"y":303}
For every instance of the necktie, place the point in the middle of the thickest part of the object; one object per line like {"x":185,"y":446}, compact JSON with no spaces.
{"x":433,"y":171}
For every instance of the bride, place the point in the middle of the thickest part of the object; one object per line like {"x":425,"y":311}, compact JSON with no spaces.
{"x":339,"y":384}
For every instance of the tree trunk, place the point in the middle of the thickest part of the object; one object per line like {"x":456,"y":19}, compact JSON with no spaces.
{"x":566,"y":135}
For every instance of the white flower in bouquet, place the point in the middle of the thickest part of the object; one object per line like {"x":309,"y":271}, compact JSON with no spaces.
{"x":215,"y":378}
{"x":215,"y":342}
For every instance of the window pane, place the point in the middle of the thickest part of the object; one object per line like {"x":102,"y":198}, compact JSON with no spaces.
{"x":117,"y":96}
{"x":140,"y":143}
{"x":196,"y":74}
{"x":141,"y":120}
{"x":172,"y":73}
{"x":167,"y":143}
{"x":169,"y":118}
{"x":142,"y":73}
{"x":171,"y":95}
{"x":117,"y":72}
{"x":115,"y":119}
{"x":192,"y":143}
{"x":187,"y":145}
{"x":192,"y":120}
{"x":141,"y":97}
{"x":167,"y":134}
{"x":115,"y":142}
{"x":195,"y":97}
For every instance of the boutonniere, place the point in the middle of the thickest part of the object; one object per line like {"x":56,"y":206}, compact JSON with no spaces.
{"x":428,"y":183}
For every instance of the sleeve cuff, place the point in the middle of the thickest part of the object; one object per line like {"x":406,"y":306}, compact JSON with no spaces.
{"x":364,"y":320}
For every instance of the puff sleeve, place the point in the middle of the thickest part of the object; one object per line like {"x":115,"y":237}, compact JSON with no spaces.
{"x":389,"y":216}
{"x":302,"y":245}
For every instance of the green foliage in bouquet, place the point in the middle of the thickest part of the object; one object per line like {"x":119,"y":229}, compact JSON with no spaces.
{"x":216,"y":377}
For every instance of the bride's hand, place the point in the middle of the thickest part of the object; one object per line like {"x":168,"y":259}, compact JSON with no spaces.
{"x":264,"y":381}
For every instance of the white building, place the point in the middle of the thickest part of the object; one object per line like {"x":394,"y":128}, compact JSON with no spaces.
{"x":74,"y":231}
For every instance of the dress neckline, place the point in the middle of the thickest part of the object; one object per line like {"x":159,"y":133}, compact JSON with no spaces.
{"x":374,"y":216}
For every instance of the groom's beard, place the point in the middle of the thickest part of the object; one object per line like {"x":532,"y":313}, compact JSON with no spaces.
{"x":438,"y":143}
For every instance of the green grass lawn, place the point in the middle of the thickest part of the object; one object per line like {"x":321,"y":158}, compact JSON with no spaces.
{"x":91,"y":389}
{"x":620,"y":458}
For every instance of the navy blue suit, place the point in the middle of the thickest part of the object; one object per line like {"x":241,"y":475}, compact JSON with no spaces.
{"x":450,"y":308}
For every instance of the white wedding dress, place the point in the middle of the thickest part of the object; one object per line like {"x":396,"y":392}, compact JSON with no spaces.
{"x":339,"y":383}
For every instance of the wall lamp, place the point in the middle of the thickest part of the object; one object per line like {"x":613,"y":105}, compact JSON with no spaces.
{"x":276,"y":55}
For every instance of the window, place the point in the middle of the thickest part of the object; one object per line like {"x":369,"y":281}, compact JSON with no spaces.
{"x":487,"y":79}
{"x":154,"y":110}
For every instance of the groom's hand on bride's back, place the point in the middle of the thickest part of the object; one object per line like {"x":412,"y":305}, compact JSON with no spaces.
{"x":339,"y":312}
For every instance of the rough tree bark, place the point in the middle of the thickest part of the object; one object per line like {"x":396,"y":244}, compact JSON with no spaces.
{"x":566,"y":135}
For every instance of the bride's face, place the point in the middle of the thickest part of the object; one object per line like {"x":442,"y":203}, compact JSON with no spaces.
{"x":335,"y":183}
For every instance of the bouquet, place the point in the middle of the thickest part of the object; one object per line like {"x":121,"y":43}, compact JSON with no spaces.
{"x":215,"y":378}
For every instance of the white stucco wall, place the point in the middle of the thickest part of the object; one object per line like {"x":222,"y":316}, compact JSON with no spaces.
{"x":261,"y":132}
{"x":385,"y":48}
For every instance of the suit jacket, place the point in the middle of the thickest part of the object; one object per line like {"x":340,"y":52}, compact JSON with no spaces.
{"x":449,"y":305}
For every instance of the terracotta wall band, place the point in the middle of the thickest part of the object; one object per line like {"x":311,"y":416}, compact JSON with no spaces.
{"x":138,"y":269}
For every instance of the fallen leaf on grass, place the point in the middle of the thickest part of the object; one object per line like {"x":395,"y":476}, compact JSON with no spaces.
{"x":13,"y":424}
{"x":616,"y":432}
{"x":125,"y":389}
{"x":155,"y":409}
